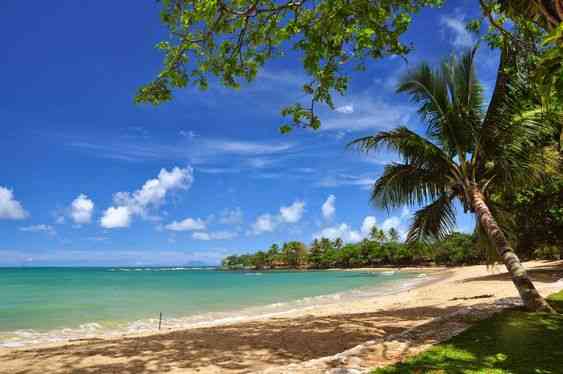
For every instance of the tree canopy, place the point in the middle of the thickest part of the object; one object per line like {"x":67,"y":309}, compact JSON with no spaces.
{"x":231,"y":40}
{"x":380,"y":250}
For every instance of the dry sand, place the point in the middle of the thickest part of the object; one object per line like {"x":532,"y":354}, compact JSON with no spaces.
{"x":311,"y":341}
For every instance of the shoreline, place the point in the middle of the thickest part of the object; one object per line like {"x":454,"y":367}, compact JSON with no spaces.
{"x":287,"y":309}
{"x":408,"y":268}
{"x":415,"y":269}
{"x":297,"y":337}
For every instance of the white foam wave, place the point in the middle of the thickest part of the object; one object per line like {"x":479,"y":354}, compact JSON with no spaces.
{"x":163,"y":269}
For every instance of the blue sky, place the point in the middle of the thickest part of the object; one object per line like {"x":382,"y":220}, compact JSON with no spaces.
{"x":90,"y":178}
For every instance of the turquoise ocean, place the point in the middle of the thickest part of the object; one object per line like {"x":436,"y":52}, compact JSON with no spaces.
{"x":45,"y":305}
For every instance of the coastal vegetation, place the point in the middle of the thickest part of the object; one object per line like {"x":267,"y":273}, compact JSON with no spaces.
{"x":512,"y":341}
{"x":380,"y":249}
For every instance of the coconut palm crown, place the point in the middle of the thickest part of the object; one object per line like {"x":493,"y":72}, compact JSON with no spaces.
{"x":465,"y":153}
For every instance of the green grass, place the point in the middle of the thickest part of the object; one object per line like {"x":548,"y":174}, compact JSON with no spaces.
{"x":512,"y":341}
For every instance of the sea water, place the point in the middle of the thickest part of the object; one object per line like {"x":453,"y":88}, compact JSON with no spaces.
{"x":42,"y":305}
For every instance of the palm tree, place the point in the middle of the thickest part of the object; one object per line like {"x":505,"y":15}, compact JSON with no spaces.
{"x":463,"y":156}
{"x":377,"y":235}
{"x":393,"y":235}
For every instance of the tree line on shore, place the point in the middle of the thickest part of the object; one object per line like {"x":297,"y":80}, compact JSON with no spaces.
{"x":379,"y":249}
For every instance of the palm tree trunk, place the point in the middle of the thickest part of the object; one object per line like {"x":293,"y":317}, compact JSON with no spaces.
{"x":533,"y":301}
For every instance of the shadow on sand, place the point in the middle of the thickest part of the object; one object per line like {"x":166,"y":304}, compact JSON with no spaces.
{"x":235,"y":348}
{"x":548,"y":272}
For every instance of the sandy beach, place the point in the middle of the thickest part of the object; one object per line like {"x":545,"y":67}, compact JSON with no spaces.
{"x":371,"y":332}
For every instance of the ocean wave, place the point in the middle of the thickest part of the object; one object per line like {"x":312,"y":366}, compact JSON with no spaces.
{"x":163,"y":269}
{"x":22,"y":338}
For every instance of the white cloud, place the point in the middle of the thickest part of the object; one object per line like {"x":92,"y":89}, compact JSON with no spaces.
{"x":150,"y":196}
{"x":59,"y":218}
{"x":390,"y":81}
{"x":97,"y":238}
{"x":269,"y":222}
{"x":217,"y":170}
{"x":246,"y":147}
{"x":292,"y":213}
{"x":187,"y":134}
{"x":259,"y":162}
{"x":391,"y":223}
{"x":81,"y":209}
{"x":188,"y":224}
{"x":264,"y":223}
{"x":273,"y":80}
{"x":345,"y":109}
{"x":462,"y":38}
{"x":231,"y":217}
{"x":365,"y":182}
{"x":116,"y":217}
{"x":219,"y":235}
{"x":368,"y":113}
{"x":342,"y":231}
{"x":201,"y":236}
{"x":400,"y":222}
{"x":10,"y":208}
{"x":154,"y":190}
{"x":346,"y":232}
{"x":328,"y":209}
{"x":39,"y":228}
{"x":406,"y":212}
{"x":200,"y":149}
{"x":382,"y":158}
{"x":305,"y":170}
{"x":269,"y":175}
{"x":367,"y":225}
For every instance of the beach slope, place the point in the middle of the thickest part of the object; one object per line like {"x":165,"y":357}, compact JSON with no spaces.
{"x":374,"y":332}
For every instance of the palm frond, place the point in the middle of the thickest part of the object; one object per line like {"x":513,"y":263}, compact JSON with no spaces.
{"x":424,"y":173}
{"x":511,"y":148}
{"x":428,"y":88}
{"x":412,"y":148}
{"x":434,"y":221}
{"x":451,"y":101}
{"x":468,"y":90}
{"x":408,"y":184}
